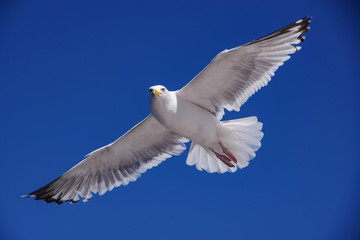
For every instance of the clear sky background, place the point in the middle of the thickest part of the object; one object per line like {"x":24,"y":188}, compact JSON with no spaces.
{"x":74,"y":76}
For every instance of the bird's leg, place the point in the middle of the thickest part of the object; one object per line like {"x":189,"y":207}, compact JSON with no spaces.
{"x":224,"y":159}
{"x":228,"y":153}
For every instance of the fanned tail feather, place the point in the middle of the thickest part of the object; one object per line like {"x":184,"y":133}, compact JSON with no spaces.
{"x":240,"y":137}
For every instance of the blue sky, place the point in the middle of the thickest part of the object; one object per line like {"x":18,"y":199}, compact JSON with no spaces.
{"x":75,"y":76}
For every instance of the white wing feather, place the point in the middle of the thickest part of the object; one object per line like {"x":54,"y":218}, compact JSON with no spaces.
{"x":236,"y":74}
{"x":145,"y":146}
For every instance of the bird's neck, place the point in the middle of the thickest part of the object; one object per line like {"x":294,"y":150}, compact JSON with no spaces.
{"x":164,"y":107}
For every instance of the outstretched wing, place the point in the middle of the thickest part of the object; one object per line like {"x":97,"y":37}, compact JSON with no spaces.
{"x":236,"y":74}
{"x":145,"y":146}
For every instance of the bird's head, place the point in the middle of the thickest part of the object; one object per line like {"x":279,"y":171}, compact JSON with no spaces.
{"x":157,"y":90}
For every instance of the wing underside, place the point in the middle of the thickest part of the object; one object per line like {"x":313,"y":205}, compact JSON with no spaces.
{"x":236,"y":74}
{"x":123,"y":161}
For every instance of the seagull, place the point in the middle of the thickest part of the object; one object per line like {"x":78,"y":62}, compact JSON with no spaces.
{"x":192,"y":113}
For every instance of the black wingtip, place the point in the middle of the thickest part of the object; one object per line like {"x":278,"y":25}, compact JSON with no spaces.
{"x":304,"y":23}
{"x":49,"y":200}
{"x":44,"y":194}
{"x":304,"y":27}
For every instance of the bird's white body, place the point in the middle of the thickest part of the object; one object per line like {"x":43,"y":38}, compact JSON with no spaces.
{"x":216,"y":146}
{"x":186,"y":119}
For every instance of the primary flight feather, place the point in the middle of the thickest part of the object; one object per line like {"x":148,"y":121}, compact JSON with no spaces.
{"x":191,"y":113}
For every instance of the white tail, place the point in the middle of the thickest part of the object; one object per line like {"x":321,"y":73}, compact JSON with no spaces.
{"x":240,"y":136}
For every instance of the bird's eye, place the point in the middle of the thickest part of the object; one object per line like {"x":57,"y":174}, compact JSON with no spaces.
{"x":150,"y":90}
{"x":163,"y":89}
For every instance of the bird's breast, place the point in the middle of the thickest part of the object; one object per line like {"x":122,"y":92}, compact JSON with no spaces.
{"x":185,"y":118}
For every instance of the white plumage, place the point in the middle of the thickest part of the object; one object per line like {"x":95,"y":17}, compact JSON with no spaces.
{"x":191,"y":113}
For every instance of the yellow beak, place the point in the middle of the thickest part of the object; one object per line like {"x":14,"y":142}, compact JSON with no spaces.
{"x":156,"y":92}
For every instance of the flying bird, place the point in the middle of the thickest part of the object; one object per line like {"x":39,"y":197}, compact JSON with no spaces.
{"x":192,"y":113}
